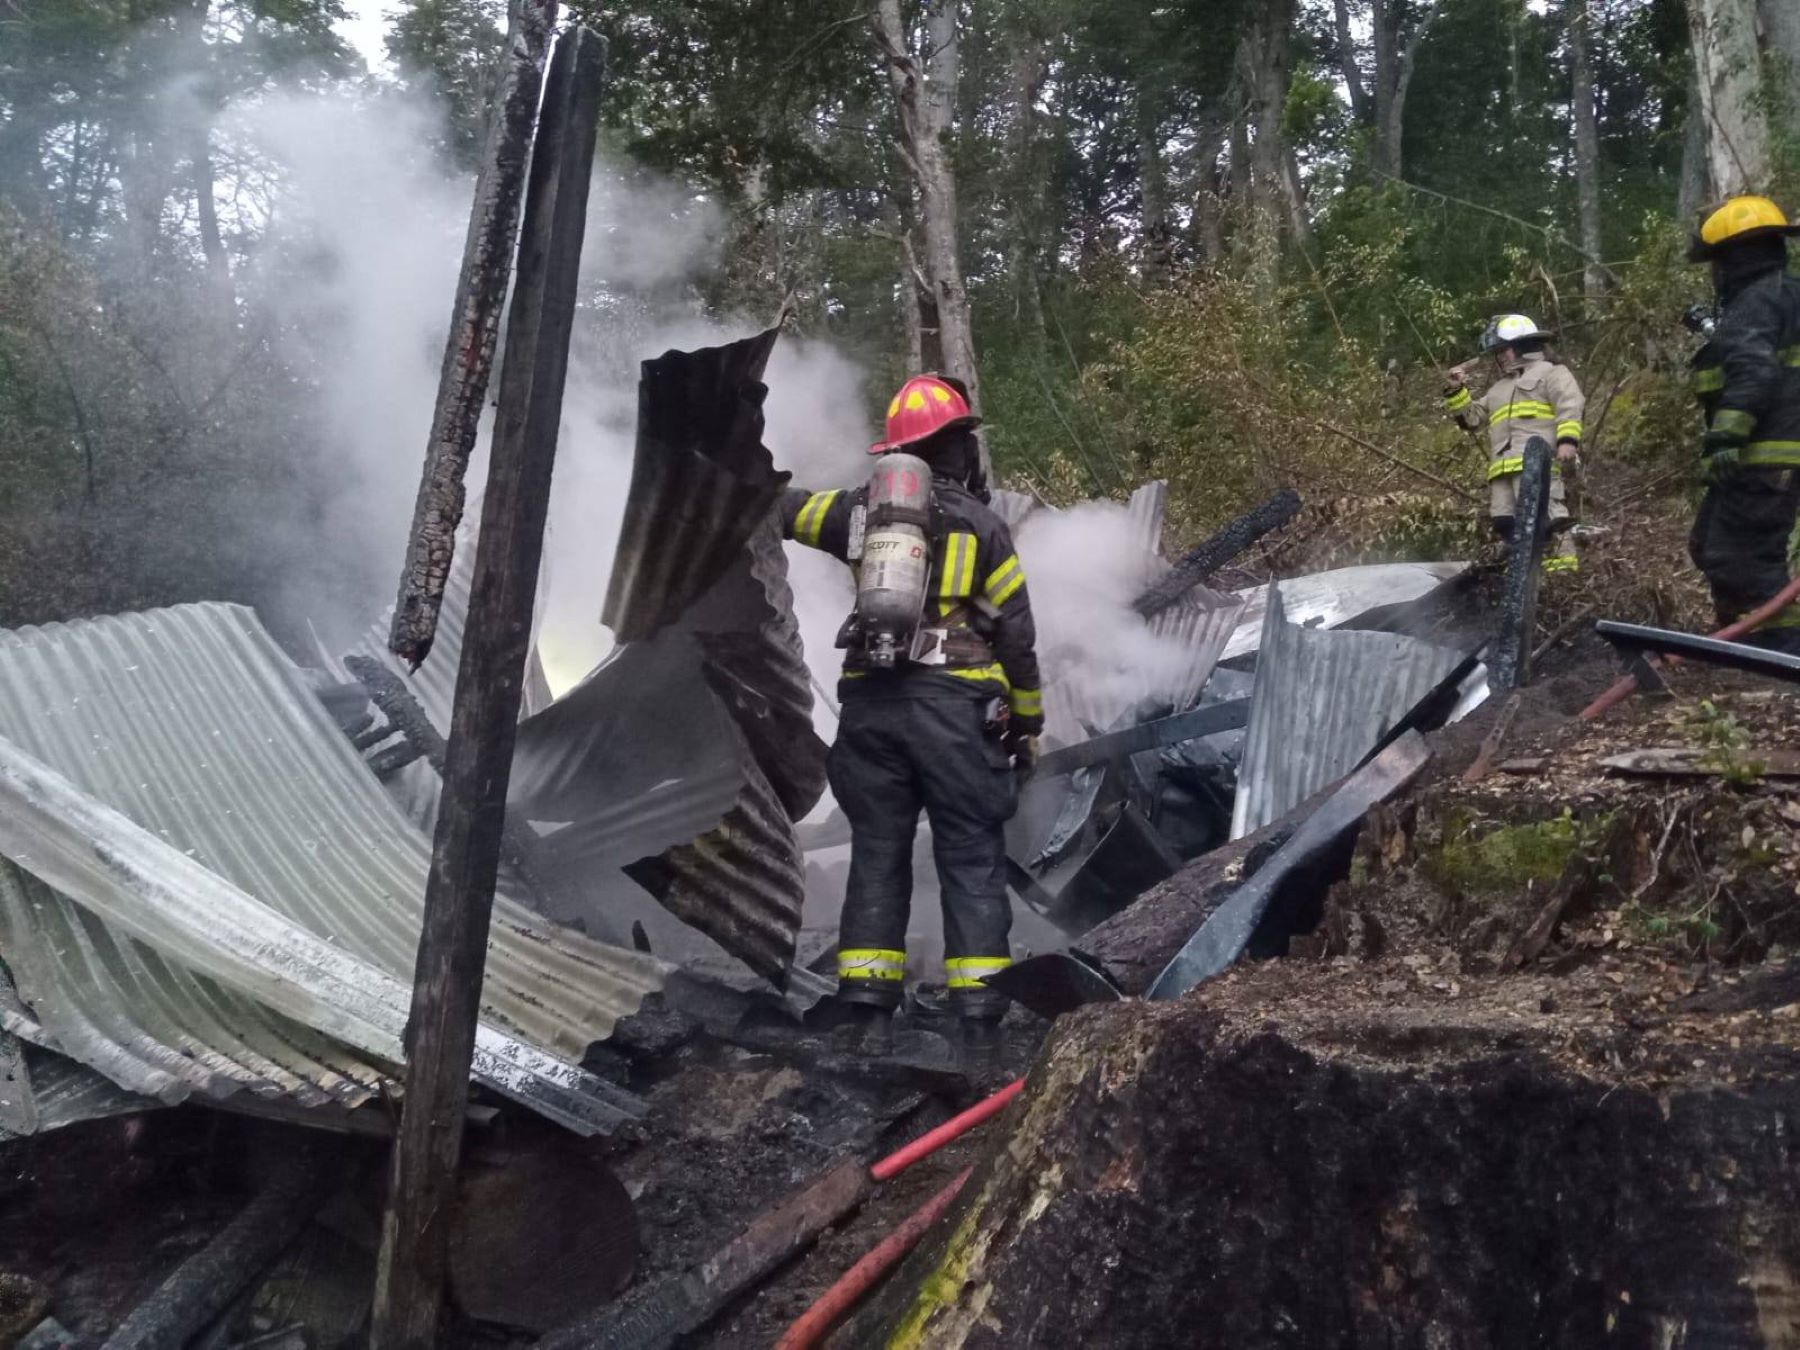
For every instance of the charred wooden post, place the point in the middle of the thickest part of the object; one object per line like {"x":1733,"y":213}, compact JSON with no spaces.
{"x":474,"y":327}
{"x":1210,"y":555}
{"x":204,"y":1285}
{"x":459,"y":896}
{"x":1511,"y":665}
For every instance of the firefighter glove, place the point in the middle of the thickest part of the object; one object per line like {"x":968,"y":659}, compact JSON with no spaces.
{"x":1023,"y":747}
{"x":1722,"y":462}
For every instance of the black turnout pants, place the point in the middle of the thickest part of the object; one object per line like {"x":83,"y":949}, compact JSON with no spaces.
{"x":1740,"y":541}
{"x":893,"y":758}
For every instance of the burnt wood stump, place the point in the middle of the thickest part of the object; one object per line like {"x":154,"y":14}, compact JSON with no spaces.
{"x":1299,"y":1155}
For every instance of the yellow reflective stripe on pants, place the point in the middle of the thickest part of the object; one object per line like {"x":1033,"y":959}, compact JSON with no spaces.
{"x":1786,"y":617}
{"x":1026,"y":702}
{"x":871,"y":963}
{"x":1709,"y":381}
{"x":968,"y":972}
{"x":1513,"y":464}
{"x":1772,"y":454}
{"x":811,"y":519}
{"x":1562,"y":562}
{"x":1523,"y":409}
{"x":1734,"y":422}
{"x":1004,"y":581}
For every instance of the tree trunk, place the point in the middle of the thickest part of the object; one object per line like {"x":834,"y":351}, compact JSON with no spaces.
{"x":212,"y":243}
{"x":1579,"y":17}
{"x":906,"y":287}
{"x":1781,"y":43}
{"x":1692,"y":187}
{"x":1156,"y":248}
{"x":1028,"y":67}
{"x":1350,"y":65}
{"x":1302,"y":1155}
{"x":925,"y":90}
{"x":1733,"y":113}
{"x":1263,"y":72}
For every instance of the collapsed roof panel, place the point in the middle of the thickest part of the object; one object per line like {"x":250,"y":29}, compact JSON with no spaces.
{"x":685,"y":757}
{"x":1335,"y":598}
{"x":1322,"y":701}
{"x":215,"y":893}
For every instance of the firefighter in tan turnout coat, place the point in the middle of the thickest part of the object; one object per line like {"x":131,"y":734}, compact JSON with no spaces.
{"x":1531,"y":396}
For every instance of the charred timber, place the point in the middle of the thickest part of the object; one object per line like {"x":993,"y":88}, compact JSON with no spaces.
{"x":421,"y":740}
{"x":1209,"y":556}
{"x":474,"y":327}
{"x":1272,"y":1162}
{"x":459,"y":895}
{"x":1513,"y":641}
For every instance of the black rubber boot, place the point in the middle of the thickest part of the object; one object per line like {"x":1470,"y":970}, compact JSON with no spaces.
{"x":980,"y":1058}
{"x":866,"y":1030}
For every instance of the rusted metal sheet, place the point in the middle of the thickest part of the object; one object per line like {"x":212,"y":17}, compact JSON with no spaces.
{"x":1322,"y":701}
{"x":210,"y":893}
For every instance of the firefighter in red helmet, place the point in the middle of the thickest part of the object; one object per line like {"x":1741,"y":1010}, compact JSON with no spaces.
{"x":935,"y":719}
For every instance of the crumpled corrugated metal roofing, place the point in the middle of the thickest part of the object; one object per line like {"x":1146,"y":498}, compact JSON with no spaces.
{"x":1198,"y":626}
{"x":1332,"y":599}
{"x":236,"y":901}
{"x":433,"y":684}
{"x":687,"y":755}
{"x":1322,"y":701}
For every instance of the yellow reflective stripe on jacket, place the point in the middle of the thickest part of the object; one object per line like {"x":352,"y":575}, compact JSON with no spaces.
{"x":968,"y":972}
{"x":958,"y":579}
{"x":1026,"y":702}
{"x":1459,"y":400}
{"x":811,"y":519}
{"x":1709,"y":381}
{"x":1568,"y":431}
{"x":975,"y":674}
{"x":1772,"y":454}
{"x":1506,"y":464}
{"x":871,"y":963}
{"x":1524,"y":408}
{"x":1004,"y":581}
{"x":1734,"y":422}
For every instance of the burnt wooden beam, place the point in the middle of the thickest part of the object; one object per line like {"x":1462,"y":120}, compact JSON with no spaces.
{"x":1210,"y":555}
{"x":474,"y":328}
{"x":459,"y":894}
{"x":1510,"y":666}
{"x":205,"y":1284}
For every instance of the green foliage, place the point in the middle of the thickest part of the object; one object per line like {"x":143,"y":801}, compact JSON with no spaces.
{"x":1474,"y":859}
{"x":451,"y":49}
{"x":1725,"y":743}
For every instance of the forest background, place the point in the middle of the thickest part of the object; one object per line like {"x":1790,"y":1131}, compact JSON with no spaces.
{"x":1227,"y":243}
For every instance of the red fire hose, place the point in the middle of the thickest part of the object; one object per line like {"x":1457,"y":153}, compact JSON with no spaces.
{"x":1622,"y":690}
{"x":814,"y":1324}
{"x":930,"y":1142}
{"x":817,"y":1321}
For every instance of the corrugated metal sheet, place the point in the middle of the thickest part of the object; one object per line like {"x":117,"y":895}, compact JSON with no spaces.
{"x":1332,"y":599}
{"x":701,"y":479}
{"x":1322,"y":701}
{"x":213,"y":894}
{"x":685,"y":758}
{"x":46,"y":1091}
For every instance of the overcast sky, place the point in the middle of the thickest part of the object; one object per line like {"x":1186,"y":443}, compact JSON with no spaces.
{"x":363,"y":30}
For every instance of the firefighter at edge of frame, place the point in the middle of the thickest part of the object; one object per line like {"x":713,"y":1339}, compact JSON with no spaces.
{"x":947,"y":728}
{"x":1747,"y":380}
{"x":1532,"y":395}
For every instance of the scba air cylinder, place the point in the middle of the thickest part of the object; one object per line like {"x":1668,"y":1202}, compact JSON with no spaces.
{"x":896,"y":557}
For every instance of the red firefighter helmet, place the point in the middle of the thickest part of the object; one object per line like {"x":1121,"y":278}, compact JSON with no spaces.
{"x":925,"y":405}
